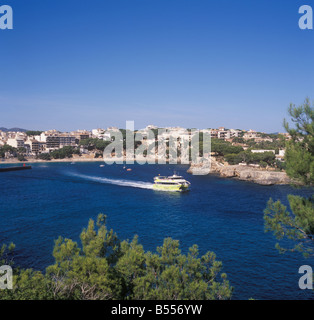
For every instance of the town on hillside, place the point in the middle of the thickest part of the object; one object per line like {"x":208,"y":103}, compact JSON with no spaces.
{"x":233,"y":146}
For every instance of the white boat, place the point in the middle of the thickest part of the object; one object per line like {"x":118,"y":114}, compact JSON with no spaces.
{"x":171,"y":183}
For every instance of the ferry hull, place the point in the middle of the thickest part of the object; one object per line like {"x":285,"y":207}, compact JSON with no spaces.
{"x":172,"y":188}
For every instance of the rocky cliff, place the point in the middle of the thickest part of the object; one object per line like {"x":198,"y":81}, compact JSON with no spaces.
{"x":245,"y":173}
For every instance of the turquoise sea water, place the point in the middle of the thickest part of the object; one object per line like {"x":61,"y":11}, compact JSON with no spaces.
{"x":220,"y":215}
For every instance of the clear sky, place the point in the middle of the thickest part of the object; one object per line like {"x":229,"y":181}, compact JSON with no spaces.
{"x":71,"y":64}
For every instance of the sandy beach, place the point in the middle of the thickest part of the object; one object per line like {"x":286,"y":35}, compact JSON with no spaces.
{"x":74,"y":159}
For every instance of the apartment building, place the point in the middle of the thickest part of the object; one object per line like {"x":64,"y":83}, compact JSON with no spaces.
{"x":80,"y":135}
{"x":52,"y":142}
{"x":33,"y":145}
{"x":223,"y":133}
{"x":15,"y":142}
{"x":251,"y":134}
{"x":53,"y":139}
{"x":67,"y":140}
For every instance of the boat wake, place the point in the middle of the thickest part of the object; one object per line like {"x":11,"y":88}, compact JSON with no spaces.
{"x":118,"y":182}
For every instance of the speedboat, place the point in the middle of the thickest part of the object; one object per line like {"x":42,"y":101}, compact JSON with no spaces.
{"x":171,"y":183}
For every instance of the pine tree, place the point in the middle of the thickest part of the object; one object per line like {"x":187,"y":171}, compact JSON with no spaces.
{"x":103,"y":268}
{"x":297,"y":224}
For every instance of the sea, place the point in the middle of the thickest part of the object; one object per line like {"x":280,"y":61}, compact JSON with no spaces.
{"x":224,"y":216}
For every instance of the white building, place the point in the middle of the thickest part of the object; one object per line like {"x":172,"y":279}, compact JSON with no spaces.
{"x":151,"y":127}
{"x":15,"y":142}
{"x":33,"y":145}
{"x":251,"y":134}
{"x":234,"y":133}
{"x":96,"y":132}
{"x":112,"y":129}
{"x":101,"y":134}
{"x":262,"y":151}
{"x":41,"y":138}
{"x":3,"y":134}
{"x":223,"y":134}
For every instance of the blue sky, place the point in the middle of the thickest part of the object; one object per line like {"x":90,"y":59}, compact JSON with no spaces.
{"x":74,"y":64}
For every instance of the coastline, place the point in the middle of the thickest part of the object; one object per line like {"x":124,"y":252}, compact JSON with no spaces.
{"x":242,"y":172}
{"x":15,"y":161}
{"x":73,"y":159}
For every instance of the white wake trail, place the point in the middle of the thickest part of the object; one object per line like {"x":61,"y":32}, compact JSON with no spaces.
{"x":118,"y":182}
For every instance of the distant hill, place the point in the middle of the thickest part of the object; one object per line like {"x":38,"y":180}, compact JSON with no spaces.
{"x":13,"y":129}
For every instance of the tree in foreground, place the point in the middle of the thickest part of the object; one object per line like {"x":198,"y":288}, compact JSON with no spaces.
{"x":106,"y":269}
{"x":297,"y":225}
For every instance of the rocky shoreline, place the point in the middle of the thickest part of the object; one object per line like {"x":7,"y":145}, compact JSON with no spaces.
{"x":242,"y":172}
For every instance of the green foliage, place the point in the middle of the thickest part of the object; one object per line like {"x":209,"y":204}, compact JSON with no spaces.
{"x":21,"y":154}
{"x":65,"y":152}
{"x":44,"y":156}
{"x":21,"y":157}
{"x":280,"y":165}
{"x":92,"y":144}
{"x":300,"y":163}
{"x":223,"y":148}
{"x":263,"y":159}
{"x":33,"y":133}
{"x":104,"y":268}
{"x":21,"y":150}
{"x":297,"y":225}
{"x":169,"y":274}
{"x":278,"y":142}
{"x":300,"y":149}
{"x":238,"y":140}
{"x":267,"y":145}
{"x":87,"y":272}
{"x":233,"y":158}
{"x":29,"y":285}
{"x":7,"y":149}
{"x":6,"y":254}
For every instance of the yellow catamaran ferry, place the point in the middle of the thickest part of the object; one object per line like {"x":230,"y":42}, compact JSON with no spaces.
{"x":171,"y":183}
